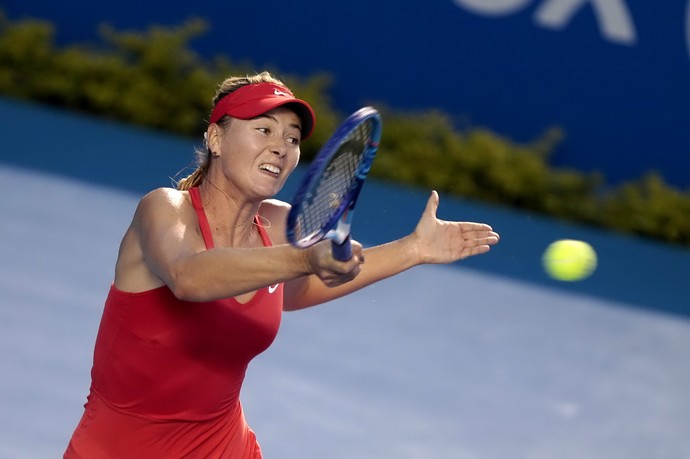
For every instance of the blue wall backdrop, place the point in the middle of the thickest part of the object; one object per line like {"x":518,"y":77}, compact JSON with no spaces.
{"x":613,"y":74}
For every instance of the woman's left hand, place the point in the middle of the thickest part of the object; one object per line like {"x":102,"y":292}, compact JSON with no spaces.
{"x":440,"y":241}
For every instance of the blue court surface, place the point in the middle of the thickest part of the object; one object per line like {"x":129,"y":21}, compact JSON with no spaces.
{"x":467,"y":361}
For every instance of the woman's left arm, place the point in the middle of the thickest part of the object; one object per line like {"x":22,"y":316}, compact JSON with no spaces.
{"x":433,"y":241}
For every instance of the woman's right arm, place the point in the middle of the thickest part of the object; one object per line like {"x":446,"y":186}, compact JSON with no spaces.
{"x":164,"y":246}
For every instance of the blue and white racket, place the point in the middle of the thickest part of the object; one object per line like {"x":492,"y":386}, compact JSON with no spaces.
{"x":324,"y":202}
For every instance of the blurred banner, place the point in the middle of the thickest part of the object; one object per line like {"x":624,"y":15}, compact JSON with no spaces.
{"x":614,"y":75}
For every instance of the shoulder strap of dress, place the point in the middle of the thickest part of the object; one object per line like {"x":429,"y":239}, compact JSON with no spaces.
{"x":201,"y":215}
{"x":262,"y":231}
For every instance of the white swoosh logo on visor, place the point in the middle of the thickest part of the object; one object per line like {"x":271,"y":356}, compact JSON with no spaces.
{"x":280,"y":93}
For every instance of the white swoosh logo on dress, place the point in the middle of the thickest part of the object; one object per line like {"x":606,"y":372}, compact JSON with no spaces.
{"x":273,"y":288}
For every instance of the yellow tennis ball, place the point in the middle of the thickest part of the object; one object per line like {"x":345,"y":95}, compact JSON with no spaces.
{"x":569,"y":260}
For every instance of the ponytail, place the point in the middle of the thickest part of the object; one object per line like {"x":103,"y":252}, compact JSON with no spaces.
{"x":196,"y":177}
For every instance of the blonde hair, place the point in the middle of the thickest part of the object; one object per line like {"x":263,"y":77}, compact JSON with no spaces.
{"x":202,"y":156}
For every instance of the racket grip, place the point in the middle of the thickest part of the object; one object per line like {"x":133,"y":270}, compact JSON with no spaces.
{"x":342,"y":252}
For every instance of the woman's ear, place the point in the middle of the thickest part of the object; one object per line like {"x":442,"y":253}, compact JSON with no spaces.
{"x":212,"y":137}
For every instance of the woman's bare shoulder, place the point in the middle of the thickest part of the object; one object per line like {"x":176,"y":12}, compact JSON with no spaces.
{"x":163,"y":200}
{"x":166,"y":196}
{"x":275,"y":212}
{"x":275,"y":205}
{"x":160,"y":215}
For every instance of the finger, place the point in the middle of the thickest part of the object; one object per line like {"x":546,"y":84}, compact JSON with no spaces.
{"x":357,"y":252}
{"x":432,"y":204}
{"x":480,"y":249}
{"x":481,"y":236}
{"x":493,"y":238}
{"x":481,"y":241}
{"x":352,"y":266}
{"x":337,"y":278}
{"x":477,"y":227}
{"x":339,"y":268}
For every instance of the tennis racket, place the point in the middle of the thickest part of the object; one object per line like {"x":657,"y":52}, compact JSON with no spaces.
{"x":325,"y":200}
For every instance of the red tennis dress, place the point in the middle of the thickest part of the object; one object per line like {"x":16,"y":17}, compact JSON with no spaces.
{"x":167,"y":373}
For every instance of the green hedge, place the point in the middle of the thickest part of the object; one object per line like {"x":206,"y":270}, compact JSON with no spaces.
{"x":155,"y":79}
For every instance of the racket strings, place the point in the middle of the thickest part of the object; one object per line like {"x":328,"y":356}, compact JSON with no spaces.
{"x":328,"y":193}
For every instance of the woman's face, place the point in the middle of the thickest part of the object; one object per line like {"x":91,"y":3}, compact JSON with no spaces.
{"x":258,"y":155}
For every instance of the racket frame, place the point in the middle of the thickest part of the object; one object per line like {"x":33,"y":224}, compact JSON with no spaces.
{"x":338,"y":225}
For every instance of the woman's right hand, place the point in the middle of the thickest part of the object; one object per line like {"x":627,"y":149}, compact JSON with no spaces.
{"x":320,"y":261}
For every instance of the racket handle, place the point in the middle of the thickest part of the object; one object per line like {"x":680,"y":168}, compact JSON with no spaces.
{"x":342,"y":252}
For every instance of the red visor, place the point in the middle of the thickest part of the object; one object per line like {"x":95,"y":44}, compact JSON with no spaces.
{"x":256,"y":99}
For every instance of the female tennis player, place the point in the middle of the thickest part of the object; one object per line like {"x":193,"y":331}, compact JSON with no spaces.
{"x":203,"y":275}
